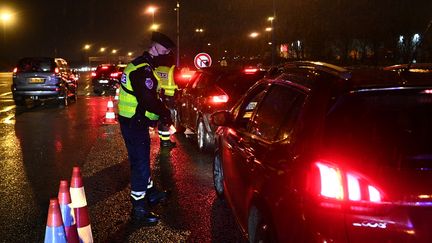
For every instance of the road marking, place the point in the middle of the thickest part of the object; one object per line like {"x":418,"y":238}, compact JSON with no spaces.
{"x":7,"y":108}
{"x":88,"y":86}
{"x":5,"y":94}
{"x":8,"y":120}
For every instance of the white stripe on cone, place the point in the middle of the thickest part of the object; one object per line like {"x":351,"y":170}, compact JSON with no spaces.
{"x":78,"y":197}
{"x":85,"y":234}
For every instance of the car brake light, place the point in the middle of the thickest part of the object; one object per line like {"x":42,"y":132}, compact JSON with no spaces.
{"x":114,"y":75}
{"x":104,"y":67}
{"x":250,"y":70}
{"x":15,"y":70}
{"x":93,"y":74}
{"x":219,"y":98}
{"x":334,"y":183}
{"x":56,"y":70}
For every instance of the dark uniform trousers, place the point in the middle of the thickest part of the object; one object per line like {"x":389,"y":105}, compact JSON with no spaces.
{"x":136,"y":135}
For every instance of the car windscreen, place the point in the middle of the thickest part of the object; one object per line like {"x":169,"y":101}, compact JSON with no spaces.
{"x":390,"y":127}
{"x":28,"y":65}
{"x":236,"y":84}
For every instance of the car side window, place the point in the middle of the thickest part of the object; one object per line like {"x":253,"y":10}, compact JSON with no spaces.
{"x":244,"y":111}
{"x":277,"y":113}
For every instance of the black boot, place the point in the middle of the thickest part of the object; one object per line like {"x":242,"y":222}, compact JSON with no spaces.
{"x":167,"y":144}
{"x":155,"y":196}
{"x":141,"y":213}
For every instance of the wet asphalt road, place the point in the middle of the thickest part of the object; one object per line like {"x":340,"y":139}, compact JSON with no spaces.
{"x":41,"y":143}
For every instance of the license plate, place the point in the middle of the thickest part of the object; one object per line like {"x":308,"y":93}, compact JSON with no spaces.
{"x":36,"y":80}
{"x":103,"y":81}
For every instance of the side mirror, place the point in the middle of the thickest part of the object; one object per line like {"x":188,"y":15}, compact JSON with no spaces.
{"x":221,"y":118}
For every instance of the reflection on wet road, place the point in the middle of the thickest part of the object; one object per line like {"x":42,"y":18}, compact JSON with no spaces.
{"x":42,"y":142}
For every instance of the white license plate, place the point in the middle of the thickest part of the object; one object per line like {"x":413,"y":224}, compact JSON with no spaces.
{"x":103,"y":81}
{"x":36,"y":80}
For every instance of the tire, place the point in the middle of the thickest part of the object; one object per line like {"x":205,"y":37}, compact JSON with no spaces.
{"x":218,"y":176}
{"x":202,"y":140}
{"x":259,"y":228}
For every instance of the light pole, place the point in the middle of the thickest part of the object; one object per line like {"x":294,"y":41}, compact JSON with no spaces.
{"x":273,"y":46}
{"x":178,"y":33}
{"x":5,"y":17}
{"x":152,"y":11}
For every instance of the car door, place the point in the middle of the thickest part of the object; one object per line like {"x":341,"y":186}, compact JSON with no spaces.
{"x":263,"y":151}
{"x":186,"y":99}
{"x":234,"y":148}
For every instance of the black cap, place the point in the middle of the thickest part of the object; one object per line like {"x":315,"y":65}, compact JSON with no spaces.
{"x":163,"y":40}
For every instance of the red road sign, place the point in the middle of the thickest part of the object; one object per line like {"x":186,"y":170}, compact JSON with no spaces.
{"x":202,"y":60}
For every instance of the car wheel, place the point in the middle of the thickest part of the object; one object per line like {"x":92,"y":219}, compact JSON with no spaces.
{"x":259,"y":229}
{"x":201,"y":136}
{"x":218,"y":175}
{"x":19,"y":101}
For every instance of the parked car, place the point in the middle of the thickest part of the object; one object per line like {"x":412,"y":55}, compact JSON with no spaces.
{"x":42,"y":78}
{"x":320,"y":154}
{"x":106,"y":77}
{"x":209,"y":90}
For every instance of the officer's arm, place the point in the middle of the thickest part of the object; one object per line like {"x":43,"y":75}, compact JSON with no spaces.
{"x":145,"y":96}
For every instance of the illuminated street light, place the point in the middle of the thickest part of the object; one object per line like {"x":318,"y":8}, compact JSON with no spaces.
{"x":6,"y":18}
{"x":114,"y":51}
{"x":209,"y":44}
{"x":130,"y":53}
{"x":102,"y":49}
{"x":87,"y":47}
{"x":268,"y":29}
{"x":253,"y":34}
{"x":154,"y":27}
{"x":199,"y":30}
{"x":151,"y":10}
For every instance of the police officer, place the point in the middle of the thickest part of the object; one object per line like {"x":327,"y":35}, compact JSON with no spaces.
{"x":140,"y":108}
{"x":167,"y":89}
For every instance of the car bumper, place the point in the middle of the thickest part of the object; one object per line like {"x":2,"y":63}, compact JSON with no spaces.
{"x":49,"y":91}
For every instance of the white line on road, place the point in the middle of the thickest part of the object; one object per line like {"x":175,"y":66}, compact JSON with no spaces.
{"x":7,"y":108}
{"x":5,"y":94}
{"x":8,"y":120}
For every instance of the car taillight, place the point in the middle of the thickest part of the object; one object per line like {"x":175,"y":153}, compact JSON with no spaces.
{"x":218,"y":99}
{"x":114,"y":75}
{"x":334,"y":183}
{"x":93,"y":74}
{"x":15,"y":70}
{"x":56,"y":70}
{"x":104,"y":67}
{"x":250,"y":70}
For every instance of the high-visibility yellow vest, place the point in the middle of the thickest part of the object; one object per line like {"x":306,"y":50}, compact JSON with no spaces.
{"x":127,"y":101}
{"x":166,"y":79}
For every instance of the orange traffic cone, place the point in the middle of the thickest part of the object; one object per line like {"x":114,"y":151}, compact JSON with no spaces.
{"x":67,"y":212}
{"x":54,"y":231}
{"x":110,"y":117}
{"x":79,"y":204}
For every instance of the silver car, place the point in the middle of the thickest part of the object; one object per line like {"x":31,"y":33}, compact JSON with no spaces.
{"x":43,"y":78}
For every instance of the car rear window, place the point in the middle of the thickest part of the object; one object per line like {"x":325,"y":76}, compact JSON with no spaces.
{"x":27,"y":65}
{"x":391,"y":127}
{"x":236,"y":84}
{"x":105,"y":69}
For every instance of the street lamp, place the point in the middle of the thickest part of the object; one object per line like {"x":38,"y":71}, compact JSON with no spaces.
{"x":254,"y":34}
{"x":177,"y":9}
{"x":273,"y":47}
{"x":152,"y":11}
{"x":6,"y":17}
{"x":154,"y":27}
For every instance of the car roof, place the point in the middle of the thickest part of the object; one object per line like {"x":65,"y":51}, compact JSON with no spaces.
{"x":311,"y":75}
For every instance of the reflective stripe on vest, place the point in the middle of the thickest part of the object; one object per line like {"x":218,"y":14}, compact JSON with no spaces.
{"x":166,"y":79}
{"x":127,"y":102}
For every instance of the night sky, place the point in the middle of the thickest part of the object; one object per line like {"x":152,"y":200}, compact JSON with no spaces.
{"x":62,"y":27}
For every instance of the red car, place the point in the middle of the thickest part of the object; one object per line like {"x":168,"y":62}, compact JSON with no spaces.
{"x":320,"y":154}
{"x":106,"y":77}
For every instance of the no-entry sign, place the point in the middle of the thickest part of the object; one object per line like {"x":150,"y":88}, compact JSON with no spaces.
{"x":202,"y":60}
